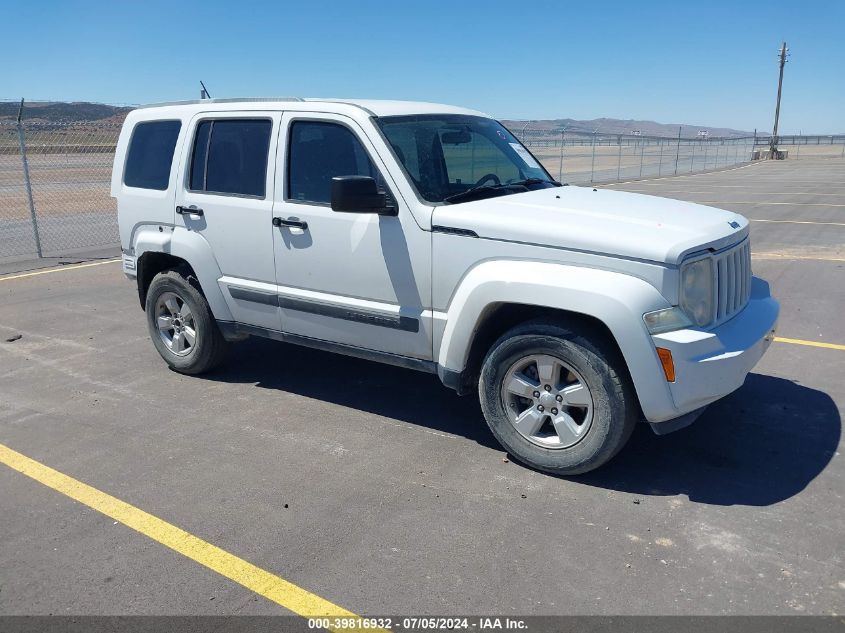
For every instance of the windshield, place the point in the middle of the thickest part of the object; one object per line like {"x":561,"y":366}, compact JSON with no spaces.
{"x":456,"y":158}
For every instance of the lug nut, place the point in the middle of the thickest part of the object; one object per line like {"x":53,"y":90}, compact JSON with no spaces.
{"x":536,"y":394}
{"x":548,"y":387}
{"x":540,"y":407}
{"x":559,"y":398}
{"x":554,"y":411}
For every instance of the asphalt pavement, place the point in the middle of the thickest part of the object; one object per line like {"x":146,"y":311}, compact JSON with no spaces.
{"x":383,"y":492}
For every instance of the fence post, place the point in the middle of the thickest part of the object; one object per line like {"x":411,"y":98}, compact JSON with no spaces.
{"x":678,"y":150}
{"x":642,"y":151}
{"x":619,"y":159}
{"x":562,"y":140}
{"x":593,"y":166}
{"x":660,"y":162}
{"x":28,"y":183}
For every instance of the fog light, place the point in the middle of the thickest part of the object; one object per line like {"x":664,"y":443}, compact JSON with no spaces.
{"x":667,"y":362}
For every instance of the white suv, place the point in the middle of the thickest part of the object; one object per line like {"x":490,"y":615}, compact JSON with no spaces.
{"x":428,"y":237}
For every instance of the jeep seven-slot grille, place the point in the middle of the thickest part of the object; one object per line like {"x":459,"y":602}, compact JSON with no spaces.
{"x":733,"y":281}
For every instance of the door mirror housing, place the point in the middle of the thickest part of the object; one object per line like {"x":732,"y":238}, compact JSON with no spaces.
{"x":359,"y":194}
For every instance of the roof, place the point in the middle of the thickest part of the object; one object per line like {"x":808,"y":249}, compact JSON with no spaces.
{"x":375,"y":107}
{"x":381,"y":107}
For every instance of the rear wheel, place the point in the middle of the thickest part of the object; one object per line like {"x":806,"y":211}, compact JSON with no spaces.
{"x":181,"y":324}
{"x":555,"y":400}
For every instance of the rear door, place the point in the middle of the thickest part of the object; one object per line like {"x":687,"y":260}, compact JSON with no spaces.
{"x":226,"y":195}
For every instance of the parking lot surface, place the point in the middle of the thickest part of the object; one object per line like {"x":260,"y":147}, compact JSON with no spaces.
{"x":383,"y":492}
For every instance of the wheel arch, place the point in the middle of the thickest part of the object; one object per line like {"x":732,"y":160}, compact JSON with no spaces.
{"x":497,"y":295}
{"x":151,"y":263}
{"x":500,"y":317}
{"x":157,"y":250}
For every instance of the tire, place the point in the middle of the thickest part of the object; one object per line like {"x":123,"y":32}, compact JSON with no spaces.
{"x":188,"y":340}
{"x":589,"y":425}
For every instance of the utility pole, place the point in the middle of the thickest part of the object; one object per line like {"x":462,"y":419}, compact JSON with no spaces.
{"x":784,"y":51}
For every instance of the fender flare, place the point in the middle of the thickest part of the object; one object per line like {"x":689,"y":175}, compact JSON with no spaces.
{"x":194,"y":249}
{"x":616,"y":299}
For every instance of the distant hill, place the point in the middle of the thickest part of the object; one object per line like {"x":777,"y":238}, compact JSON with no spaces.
{"x":80,"y":111}
{"x":619,"y":126}
{"x":61,"y":112}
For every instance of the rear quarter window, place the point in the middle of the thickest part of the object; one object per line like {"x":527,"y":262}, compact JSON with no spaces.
{"x":150,"y":154}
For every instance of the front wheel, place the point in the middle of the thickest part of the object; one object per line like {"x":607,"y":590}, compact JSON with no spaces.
{"x":555,"y":400}
{"x":181,"y":324}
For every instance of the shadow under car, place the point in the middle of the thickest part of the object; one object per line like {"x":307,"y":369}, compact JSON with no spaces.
{"x":760,"y":445}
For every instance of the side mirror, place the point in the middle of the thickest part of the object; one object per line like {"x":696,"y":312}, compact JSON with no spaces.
{"x":358,"y":194}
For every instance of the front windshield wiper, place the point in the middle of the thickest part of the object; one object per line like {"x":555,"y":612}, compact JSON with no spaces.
{"x":469,"y":192}
{"x":534,"y":181}
{"x":502,"y":185}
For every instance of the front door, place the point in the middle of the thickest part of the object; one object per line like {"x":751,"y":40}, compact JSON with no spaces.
{"x":360,"y":279}
{"x":226,"y":196}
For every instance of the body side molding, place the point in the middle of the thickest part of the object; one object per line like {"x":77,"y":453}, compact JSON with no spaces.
{"x":379,"y":319}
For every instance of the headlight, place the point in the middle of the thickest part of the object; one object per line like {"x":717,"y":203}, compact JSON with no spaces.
{"x":666,"y":320}
{"x":697,"y":292}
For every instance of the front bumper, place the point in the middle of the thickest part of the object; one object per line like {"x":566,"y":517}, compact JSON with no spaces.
{"x":710,"y":364}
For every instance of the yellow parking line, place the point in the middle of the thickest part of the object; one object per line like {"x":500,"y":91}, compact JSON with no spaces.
{"x":60,"y":269}
{"x":262,"y":582}
{"x":797,"y":341}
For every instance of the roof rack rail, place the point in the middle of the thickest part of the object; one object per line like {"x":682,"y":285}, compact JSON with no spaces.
{"x":227,"y":100}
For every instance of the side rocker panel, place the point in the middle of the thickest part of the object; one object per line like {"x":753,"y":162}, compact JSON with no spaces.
{"x":617,"y":300}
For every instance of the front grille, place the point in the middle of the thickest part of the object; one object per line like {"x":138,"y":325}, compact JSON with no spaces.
{"x":733,"y":280}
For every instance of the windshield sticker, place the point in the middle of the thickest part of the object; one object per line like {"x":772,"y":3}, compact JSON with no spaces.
{"x":525,"y":156}
{"x":501,"y":134}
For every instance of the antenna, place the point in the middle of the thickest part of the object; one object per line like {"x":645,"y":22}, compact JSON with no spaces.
{"x":204,"y":91}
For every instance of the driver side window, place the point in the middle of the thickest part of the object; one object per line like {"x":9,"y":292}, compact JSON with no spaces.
{"x":317,"y":152}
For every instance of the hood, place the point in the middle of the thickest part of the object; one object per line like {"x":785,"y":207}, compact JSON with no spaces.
{"x":615,"y":223}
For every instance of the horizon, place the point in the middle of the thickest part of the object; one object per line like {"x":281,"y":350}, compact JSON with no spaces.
{"x":722,"y":76}
{"x":760,"y":132}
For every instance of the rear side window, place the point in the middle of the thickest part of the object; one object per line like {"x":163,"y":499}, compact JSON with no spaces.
{"x":150,"y":154}
{"x":230,"y":156}
{"x":318,"y":152}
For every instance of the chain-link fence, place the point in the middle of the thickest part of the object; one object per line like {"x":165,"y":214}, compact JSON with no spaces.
{"x":55,"y":176}
{"x":54,"y":187}
{"x":584,"y":157}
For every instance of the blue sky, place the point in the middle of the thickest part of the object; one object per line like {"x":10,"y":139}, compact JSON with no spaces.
{"x":702,"y":63}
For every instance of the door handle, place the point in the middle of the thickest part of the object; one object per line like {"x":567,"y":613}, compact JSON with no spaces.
{"x":192,"y":210}
{"x":294,"y":223}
